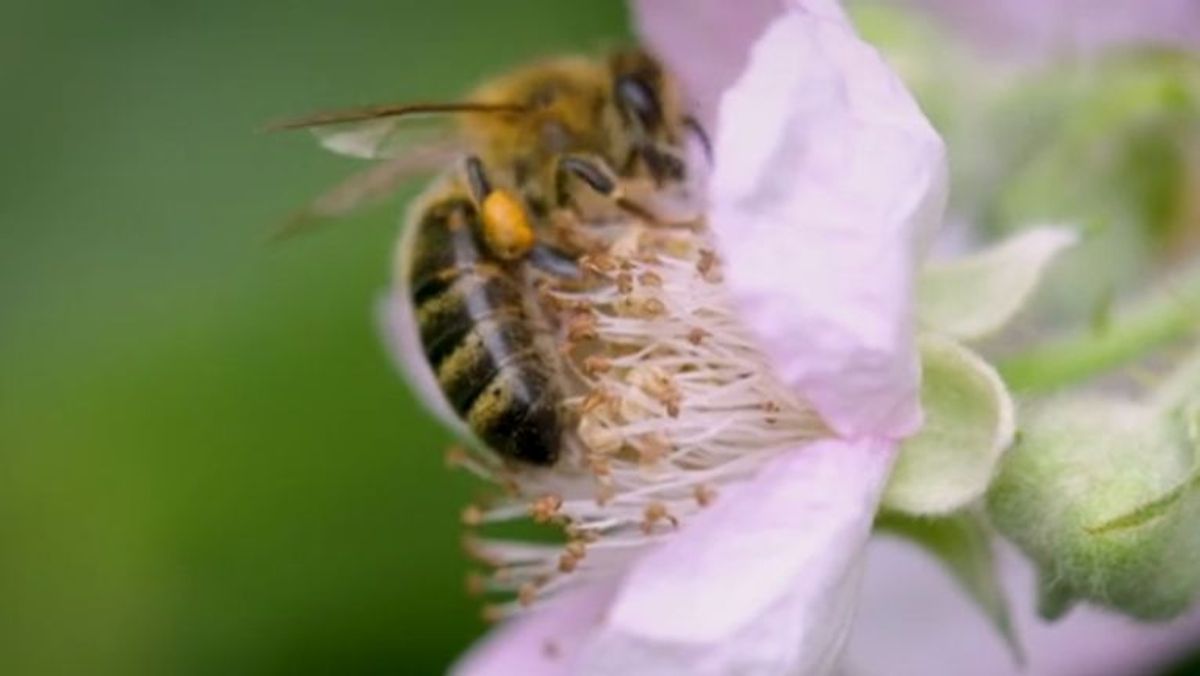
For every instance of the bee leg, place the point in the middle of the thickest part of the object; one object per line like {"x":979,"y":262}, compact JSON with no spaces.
{"x":555,"y":262}
{"x":664,"y":167}
{"x":597,"y":176}
{"x":504,"y":223}
{"x":477,"y":179}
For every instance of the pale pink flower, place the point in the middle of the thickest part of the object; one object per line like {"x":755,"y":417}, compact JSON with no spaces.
{"x":828,"y":185}
{"x":827,"y":178}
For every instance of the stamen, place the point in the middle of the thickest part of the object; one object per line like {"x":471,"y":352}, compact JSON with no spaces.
{"x":668,"y":402}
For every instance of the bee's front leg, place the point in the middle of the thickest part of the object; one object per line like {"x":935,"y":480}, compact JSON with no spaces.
{"x":601,"y":179}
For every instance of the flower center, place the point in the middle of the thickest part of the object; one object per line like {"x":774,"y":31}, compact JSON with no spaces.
{"x":670,"y":402}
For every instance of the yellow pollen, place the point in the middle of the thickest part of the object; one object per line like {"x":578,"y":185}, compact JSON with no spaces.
{"x":506,"y":227}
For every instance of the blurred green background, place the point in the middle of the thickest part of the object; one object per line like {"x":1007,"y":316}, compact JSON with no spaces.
{"x":207,"y":463}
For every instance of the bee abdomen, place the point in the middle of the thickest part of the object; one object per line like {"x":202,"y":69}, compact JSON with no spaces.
{"x":517,"y":413}
{"x":496,"y":379}
{"x":462,"y":297}
{"x":478,"y":338}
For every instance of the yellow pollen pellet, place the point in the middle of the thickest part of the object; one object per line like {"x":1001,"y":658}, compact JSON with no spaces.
{"x":506,"y":227}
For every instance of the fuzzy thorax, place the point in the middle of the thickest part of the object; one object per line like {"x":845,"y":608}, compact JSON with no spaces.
{"x":669,"y":400}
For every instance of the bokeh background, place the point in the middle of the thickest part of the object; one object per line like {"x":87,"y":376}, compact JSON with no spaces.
{"x":207,"y":462}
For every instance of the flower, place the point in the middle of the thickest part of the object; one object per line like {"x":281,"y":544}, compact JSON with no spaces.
{"x":716,"y":518}
{"x":727,"y":536}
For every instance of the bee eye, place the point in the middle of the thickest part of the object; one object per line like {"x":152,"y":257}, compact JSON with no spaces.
{"x":637,"y":98}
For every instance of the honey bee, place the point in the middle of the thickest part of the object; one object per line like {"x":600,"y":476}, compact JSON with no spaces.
{"x":569,"y":135}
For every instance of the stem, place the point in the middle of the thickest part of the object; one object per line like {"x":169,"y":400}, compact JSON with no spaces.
{"x":1166,"y":315}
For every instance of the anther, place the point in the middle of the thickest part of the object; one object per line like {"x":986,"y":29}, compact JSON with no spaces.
{"x":599,"y":438}
{"x":476,"y":584}
{"x":581,"y":326}
{"x":599,"y":263}
{"x":653,"y":307}
{"x":567,"y":563}
{"x":653,"y":448}
{"x":527,"y":594}
{"x":474,"y":550}
{"x":656,"y":512}
{"x":704,"y":495}
{"x":650,"y":279}
{"x":577,"y":548}
{"x":597,"y":398}
{"x":471,"y":515}
{"x":545,"y":508}
{"x":456,"y":457}
{"x":596,"y":364}
{"x":625,"y":283}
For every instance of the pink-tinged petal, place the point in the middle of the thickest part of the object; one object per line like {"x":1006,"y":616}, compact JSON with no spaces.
{"x":914,"y":620}
{"x":403,"y":341}
{"x":704,"y":42}
{"x":763,"y":582}
{"x":545,"y":642}
{"x":828,"y":178}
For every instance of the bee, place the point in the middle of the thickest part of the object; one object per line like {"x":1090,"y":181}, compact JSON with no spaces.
{"x":570,"y":135}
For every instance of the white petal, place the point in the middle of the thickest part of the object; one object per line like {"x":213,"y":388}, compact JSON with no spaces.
{"x":827,"y":178}
{"x":765,"y":582}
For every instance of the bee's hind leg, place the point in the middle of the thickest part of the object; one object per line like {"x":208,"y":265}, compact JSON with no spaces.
{"x":600,"y":178}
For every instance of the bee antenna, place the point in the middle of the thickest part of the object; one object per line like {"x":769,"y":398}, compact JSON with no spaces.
{"x":391,"y":110}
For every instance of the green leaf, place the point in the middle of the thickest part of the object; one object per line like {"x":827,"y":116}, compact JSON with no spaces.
{"x":968,"y":425}
{"x":971,"y":297}
{"x":963,"y":544}
{"x":1100,"y":494}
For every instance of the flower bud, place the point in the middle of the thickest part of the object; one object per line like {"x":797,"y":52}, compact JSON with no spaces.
{"x":1100,"y":494}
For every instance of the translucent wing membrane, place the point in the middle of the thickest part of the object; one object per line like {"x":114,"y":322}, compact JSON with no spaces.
{"x":373,"y":132}
{"x":377,"y":182}
{"x":410,"y":140}
{"x":379,"y":139}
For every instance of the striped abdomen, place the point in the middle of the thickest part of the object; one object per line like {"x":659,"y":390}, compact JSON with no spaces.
{"x":478,"y":337}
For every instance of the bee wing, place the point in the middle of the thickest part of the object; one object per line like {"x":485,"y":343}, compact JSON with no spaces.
{"x":374,"y":132}
{"x":384,"y":138}
{"x":377,"y":182}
